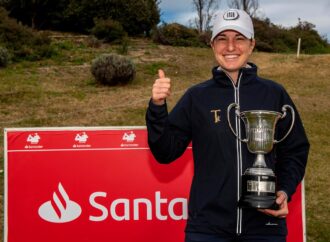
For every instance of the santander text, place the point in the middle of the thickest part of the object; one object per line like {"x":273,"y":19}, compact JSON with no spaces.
{"x":119,"y":209}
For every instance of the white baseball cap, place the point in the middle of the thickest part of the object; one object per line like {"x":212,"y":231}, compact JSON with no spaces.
{"x":233,"y":19}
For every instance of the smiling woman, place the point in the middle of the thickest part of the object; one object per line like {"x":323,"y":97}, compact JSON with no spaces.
{"x":215,"y":211}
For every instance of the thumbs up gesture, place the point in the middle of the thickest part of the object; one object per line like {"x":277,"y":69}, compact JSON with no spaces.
{"x":161,"y":88}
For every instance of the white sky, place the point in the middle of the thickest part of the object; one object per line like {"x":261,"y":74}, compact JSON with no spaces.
{"x":280,"y":12}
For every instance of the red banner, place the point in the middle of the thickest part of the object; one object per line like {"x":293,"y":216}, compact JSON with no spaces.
{"x":99,"y":184}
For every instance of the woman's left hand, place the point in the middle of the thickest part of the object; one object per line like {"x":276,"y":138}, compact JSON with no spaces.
{"x":282,"y":202}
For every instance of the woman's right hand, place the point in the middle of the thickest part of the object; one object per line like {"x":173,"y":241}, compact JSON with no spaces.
{"x":161,"y":88}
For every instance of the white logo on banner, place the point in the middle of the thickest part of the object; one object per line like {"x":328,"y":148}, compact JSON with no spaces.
{"x":82,"y":137}
{"x":129,"y":137}
{"x":60,"y":209}
{"x":33,"y":138}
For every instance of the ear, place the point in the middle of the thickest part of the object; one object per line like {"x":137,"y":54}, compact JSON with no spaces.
{"x":212,"y":46}
{"x":253,"y":44}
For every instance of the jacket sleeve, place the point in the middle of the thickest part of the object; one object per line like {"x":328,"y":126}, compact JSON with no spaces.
{"x":292,"y":153}
{"x":169,"y":134}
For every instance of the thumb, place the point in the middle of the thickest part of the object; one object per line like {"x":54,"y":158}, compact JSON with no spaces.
{"x":161,"y":73}
{"x":281,"y":197}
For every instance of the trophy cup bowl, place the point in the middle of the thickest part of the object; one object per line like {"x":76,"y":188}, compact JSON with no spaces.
{"x":259,"y":181}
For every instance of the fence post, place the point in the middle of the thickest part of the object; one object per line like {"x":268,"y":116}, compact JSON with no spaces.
{"x":298,"y":48}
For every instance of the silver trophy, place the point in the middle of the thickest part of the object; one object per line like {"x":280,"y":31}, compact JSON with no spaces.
{"x":259,"y":181}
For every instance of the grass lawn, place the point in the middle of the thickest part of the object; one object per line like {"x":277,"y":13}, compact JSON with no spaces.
{"x":62,"y":92}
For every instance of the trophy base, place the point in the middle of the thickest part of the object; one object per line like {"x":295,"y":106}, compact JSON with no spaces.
{"x":259,"y":188}
{"x":258,"y":202}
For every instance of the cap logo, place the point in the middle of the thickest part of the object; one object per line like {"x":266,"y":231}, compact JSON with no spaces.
{"x":231,"y":15}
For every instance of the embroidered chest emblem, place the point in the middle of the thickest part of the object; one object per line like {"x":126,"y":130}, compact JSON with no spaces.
{"x":216,"y":115}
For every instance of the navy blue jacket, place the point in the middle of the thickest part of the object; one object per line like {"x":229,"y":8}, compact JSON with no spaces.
{"x":219,"y":157}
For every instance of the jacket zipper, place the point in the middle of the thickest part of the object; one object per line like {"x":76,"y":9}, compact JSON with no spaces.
{"x":238,"y":155}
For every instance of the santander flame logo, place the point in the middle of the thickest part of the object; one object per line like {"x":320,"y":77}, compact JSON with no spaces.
{"x":60,"y":209}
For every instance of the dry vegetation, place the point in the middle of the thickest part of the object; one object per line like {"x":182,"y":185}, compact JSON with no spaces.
{"x":62,"y":92}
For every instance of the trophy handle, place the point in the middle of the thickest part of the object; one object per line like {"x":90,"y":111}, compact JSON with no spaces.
{"x":237,"y":113}
{"x":284,"y":109}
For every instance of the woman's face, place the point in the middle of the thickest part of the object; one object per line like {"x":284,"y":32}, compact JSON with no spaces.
{"x":232,"y":50}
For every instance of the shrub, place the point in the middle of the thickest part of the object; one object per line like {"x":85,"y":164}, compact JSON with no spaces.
{"x":108,"y":30}
{"x":123,"y":48}
{"x":205,"y":38}
{"x":21,"y":41}
{"x":177,"y":35}
{"x":273,"y":38}
{"x":263,"y":46}
{"x":4,"y":57}
{"x":93,"y":42}
{"x":112,"y":69}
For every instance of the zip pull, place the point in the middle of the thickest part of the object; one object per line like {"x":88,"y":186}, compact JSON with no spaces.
{"x":238,"y":79}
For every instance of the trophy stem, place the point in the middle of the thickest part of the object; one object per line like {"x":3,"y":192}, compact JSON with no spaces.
{"x":260,"y":161}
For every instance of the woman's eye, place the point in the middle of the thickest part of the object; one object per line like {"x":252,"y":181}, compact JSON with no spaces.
{"x":240,"y":38}
{"x":221,"y":39}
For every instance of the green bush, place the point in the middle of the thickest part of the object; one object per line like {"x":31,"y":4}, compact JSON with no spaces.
{"x":112,"y":69}
{"x":205,"y":38}
{"x":263,"y":46}
{"x":123,"y":47}
{"x":93,"y":42}
{"x":4,"y":57}
{"x":273,"y":38}
{"x":108,"y":30}
{"x":23,"y":42}
{"x":178,"y":35}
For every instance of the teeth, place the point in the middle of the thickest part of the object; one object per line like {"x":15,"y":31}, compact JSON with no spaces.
{"x":231,"y":56}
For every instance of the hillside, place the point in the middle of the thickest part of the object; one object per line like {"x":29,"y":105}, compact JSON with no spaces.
{"x":61,"y":92}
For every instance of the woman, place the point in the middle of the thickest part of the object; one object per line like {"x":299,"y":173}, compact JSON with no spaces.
{"x":219,"y":157}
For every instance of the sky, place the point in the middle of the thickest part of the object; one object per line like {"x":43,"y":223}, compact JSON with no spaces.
{"x":280,"y":12}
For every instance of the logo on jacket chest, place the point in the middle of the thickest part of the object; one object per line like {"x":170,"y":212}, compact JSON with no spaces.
{"x":216,"y":115}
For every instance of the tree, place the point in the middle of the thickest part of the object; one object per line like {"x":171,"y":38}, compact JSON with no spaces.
{"x":34,"y":13}
{"x":137,"y":17}
{"x":205,"y":10}
{"x":249,"y":6}
{"x":311,"y":41}
{"x":21,"y":41}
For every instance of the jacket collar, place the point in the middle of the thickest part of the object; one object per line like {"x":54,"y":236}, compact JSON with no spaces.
{"x":249,"y":74}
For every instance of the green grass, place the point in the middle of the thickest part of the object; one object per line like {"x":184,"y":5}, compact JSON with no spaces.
{"x":61,"y":92}
{"x":152,"y":68}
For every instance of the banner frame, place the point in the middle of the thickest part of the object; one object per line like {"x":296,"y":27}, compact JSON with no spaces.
{"x":96,"y":128}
